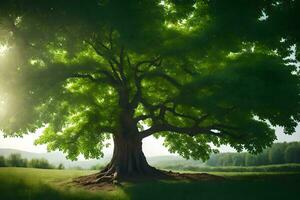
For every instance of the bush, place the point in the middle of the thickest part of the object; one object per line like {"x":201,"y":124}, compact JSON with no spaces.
{"x":61,"y":166}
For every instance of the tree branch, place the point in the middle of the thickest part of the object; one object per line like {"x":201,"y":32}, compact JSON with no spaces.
{"x":154,"y":62}
{"x":108,"y":75}
{"x":138,"y":79}
{"x":162,"y":75}
{"x":121,"y":65}
{"x":91,"y":78}
{"x":142,"y":117}
{"x":191,"y":131}
{"x":197,"y":120}
{"x":108,"y":55}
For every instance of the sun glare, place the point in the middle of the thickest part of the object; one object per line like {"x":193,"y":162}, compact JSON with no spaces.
{"x":3,"y":49}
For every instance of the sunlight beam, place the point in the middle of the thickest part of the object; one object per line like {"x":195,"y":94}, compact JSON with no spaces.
{"x":3,"y":49}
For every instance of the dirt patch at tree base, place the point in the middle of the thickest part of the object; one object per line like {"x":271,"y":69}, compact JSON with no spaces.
{"x":99,"y":182}
{"x":194,"y":176}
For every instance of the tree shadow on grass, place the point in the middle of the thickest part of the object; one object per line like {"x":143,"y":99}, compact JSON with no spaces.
{"x":252,"y":189}
{"x":255,"y":188}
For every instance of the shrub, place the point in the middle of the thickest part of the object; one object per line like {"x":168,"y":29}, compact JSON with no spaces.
{"x":61,"y":166}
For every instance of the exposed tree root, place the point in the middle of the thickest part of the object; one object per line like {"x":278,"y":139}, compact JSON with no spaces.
{"x":129,"y":164}
{"x":113,"y":176}
{"x":108,"y":178}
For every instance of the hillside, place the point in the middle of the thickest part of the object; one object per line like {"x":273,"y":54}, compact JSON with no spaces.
{"x":55,"y":158}
{"x":58,"y":157}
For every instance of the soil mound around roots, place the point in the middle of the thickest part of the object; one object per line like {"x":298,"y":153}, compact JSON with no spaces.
{"x":100,"y":181}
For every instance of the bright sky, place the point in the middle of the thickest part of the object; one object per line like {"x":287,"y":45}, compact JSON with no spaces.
{"x":151,"y":146}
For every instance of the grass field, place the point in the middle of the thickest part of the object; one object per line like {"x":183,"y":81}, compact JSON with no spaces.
{"x":289,"y":167}
{"x":26,"y":183}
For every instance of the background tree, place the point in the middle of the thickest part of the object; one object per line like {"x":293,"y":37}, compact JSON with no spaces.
{"x":239,"y":159}
{"x":195,"y":72}
{"x":263,"y":157}
{"x":250,"y":160}
{"x":40,"y":163}
{"x":61,"y":166}
{"x":276,"y":154}
{"x":15,"y":160}
{"x":292,"y":153}
{"x":2,"y":161}
{"x":279,"y":153}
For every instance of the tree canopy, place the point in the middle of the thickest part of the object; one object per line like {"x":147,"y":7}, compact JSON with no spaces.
{"x":196,"y":72}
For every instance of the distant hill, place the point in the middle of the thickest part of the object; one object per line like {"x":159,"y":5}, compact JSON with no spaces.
{"x":58,"y":157}
{"x":166,"y":161}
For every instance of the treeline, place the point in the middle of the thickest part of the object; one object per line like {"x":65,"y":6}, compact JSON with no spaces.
{"x":16,"y":160}
{"x":292,"y":167}
{"x":279,"y":153}
{"x":97,"y":167}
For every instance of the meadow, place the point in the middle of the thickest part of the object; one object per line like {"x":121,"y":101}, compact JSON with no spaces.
{"x":50,"y":184}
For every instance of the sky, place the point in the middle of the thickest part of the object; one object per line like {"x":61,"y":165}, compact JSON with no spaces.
{"x":151,"y":146}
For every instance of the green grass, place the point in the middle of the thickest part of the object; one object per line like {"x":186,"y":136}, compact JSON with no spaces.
{"x":33,"y":184}
{"x":290,"y":167}
{"x":47,"y":184}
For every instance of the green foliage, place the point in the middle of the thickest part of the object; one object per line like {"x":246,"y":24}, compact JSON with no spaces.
{"x":40,"y":163}
{"x":196,"y":72}
{"x":97,"y":167}
{"x":60,"y":166}
{"x":15,"y":160}
{"x":2,"y":161}
{"x":276,"y":155}
{"x":292,"y":153}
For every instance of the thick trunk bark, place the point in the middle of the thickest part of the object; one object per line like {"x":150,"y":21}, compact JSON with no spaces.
{"x":128,"y":163}
{"x":128,"y":159}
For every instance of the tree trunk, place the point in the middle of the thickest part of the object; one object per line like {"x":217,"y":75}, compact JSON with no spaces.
{"x":128,"y":163}
{"x":128,"y":159}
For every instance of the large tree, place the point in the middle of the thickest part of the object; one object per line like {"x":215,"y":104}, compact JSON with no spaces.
{"x":195,"y":72}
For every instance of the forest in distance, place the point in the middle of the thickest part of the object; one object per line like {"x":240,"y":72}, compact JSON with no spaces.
{"x":279,"y":153}
{"x":16,"y":160}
